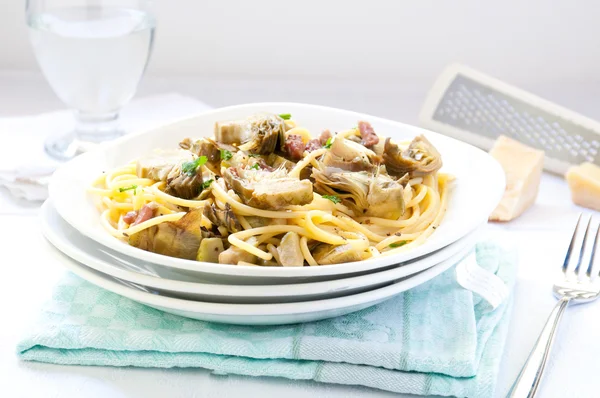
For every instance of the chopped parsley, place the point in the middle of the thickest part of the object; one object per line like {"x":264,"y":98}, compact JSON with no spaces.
{"x":328,"y":143}
{"x":285,"y":116}
{"x":254,"y":166}
{"x":333,"y":198}
{"x":225,"y":154}
{"x":190,"y":167}
{"x":398,"y":244}
{"x":123,"y":189}
{"x":206,"y":184}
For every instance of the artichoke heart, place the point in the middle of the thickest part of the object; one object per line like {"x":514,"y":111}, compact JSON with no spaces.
{"x":348,"y":155}
{"x":258,"y":134}
{"x":222,"y":218}
{"x":167,"y":166}
{"x":418,"y":159}
{"x":325,"y":254}
{"x":175,"y":239}
{"x":365,"y":193}
{"x":270,"y":191}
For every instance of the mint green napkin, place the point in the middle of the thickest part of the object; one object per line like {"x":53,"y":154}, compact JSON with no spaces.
{"x":436,"y":339}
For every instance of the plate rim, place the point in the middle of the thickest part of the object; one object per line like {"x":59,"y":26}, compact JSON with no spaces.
{"x":248,"y":310}
{"x":252,"y":271}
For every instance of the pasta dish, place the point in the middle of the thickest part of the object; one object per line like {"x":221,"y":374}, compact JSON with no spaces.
{"x":264,"y":191}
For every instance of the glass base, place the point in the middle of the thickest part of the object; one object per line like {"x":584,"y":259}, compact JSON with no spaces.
{"x":69,"y":145}
{"x":90,"y":130}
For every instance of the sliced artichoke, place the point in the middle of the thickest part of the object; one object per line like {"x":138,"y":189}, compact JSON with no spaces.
{"x":209,"y":148}
{"x":349,"y":155}
{"x":159,"y":165}
{"x":365,"y":193}
{"x":289,"y":250}
{"x":175,"y":239}
{"x":325,"y":254}
{"x":210,"y":249}
{"x":418,"y":159}
{"x":258,"y":134}
{"x":167,"y":166}
{"x":271,"y":191}
{"x":224,"y":218}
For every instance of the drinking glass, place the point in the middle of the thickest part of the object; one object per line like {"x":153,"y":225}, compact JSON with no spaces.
{"x":93,"y":54}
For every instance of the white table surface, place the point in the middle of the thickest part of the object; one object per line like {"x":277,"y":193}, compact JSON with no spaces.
{"x":541,"y":235}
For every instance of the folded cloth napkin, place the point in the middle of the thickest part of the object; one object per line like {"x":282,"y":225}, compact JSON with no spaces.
{"x":25,"y":168}
{"x":436,"y":339}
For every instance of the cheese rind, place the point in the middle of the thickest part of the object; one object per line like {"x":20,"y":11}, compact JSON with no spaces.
{"x":523,"y":167}
{"x":584,"y":183}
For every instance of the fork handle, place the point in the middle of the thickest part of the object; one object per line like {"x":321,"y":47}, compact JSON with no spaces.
{"x":530,"y":377}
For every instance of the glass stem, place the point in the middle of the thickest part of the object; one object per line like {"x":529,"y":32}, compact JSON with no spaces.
{"x":97,"y":127}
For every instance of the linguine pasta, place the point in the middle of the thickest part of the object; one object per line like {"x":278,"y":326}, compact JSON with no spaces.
{"x":141,"y":207}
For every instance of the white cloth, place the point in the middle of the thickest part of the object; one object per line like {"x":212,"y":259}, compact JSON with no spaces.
{"x":25,"y":168}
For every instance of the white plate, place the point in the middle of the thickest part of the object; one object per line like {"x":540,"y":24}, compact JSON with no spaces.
{"x":477,"y":190}
{"x":73,"y":244}
{"x":255,"y":314}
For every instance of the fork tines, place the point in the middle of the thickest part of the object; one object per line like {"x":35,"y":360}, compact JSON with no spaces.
{"x":580,"y":257}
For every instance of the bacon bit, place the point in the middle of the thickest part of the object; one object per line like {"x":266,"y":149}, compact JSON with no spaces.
{"x":294,"y":146}
{"x":145,"y":213}
{"x":313,"y":145}
{"x":369,"y":138}
{"x":130,"y":217}
{"x":325,"y":135}
{"x":318,"y":143}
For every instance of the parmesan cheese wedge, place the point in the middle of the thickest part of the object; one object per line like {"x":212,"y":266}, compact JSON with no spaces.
{"x":584,"y":183}
{"x":523,"y":168}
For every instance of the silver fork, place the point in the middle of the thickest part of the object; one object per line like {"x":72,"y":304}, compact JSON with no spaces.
{"x":578,"y":284}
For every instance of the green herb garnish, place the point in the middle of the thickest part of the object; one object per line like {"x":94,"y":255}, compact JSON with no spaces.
{"x":398,"y":244}
{"x":190,"y":167}
{"x":254,"y":166}
{"x":123,"y":189}
{"x":333,"y":198}
{"x":328,"y":143}
{"x":285,"y":116}
{"x":206,"y":184}
{"x":225,"y":154}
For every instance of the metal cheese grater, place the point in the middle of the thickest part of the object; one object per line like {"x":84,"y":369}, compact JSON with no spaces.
{"x":475,"y":108}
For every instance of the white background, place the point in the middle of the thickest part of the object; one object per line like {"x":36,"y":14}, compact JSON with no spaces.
{"x":373,"y":47}
{"x":373,"y":56}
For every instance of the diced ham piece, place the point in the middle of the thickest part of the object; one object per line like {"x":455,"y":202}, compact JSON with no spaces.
{"x":325,"y":135}
{"x":137,"y":217}
{"x":369,"y":138}
{"x":313,"y":145}
{"x":294,"y":146}
{"x":130,"y":217}
{"x":317,"y":143}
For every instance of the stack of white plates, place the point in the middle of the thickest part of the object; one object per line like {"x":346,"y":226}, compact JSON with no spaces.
{"x":252,"y":294}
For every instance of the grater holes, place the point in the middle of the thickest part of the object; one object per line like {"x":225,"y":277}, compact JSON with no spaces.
{"x":482,"y":110}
